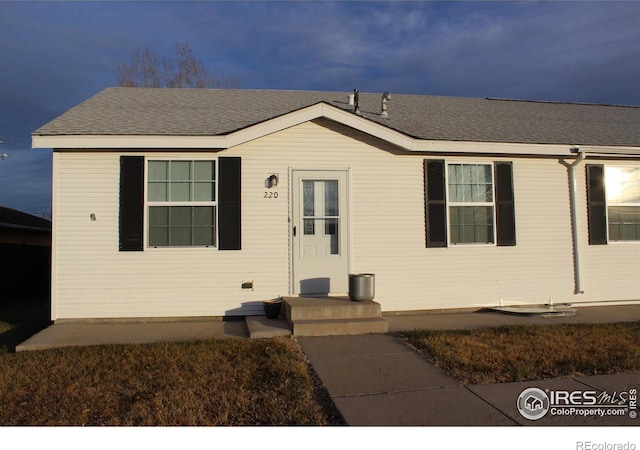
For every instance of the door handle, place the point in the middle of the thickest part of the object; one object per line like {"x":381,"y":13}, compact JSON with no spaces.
{"x":294,"y":231}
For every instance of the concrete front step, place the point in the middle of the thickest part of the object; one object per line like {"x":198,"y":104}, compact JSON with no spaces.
{"x":328,"y":308}
{"x":262,"y":327}
{"x":328,"y":316}
{"x":335,"y":327}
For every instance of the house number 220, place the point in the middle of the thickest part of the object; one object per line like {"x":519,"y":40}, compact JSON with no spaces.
{"x":271,"y":194}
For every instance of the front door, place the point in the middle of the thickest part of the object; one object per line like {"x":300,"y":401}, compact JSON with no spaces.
{"x":320,"y":232}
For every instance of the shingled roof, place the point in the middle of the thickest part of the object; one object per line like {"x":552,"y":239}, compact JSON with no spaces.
{"x":215,"y":112}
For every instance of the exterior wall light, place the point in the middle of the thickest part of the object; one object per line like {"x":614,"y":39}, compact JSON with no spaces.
{"x":272,"y":181}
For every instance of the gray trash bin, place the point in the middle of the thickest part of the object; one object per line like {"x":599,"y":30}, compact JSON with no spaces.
{"x":362,"y":286}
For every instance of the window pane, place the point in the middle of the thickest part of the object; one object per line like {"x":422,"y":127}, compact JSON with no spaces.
{"x":465,"y":193}
{"x":180,"y":236}
{"x":203,"y":216}
{"x":180,"y":170}
{"x":157,"y":192}
{"x":204,"y":191}
{"x":180,"y":192}
{"x":180,"y":215}
{"x":331,"y":227}
{"x":331,"y":198}
{"x":622,"y":184}
{"x":203,"y":236}
{"x":471,"y":224}
{"x":158,"y":237}
{"x":159,"y":216}
{"x":158,"y":170}
{"x":204,"y":170}
{"x":308,"y":200}
{"x":470,"y":183}
{"x":309,"y":227}
{"x":624,"y":223}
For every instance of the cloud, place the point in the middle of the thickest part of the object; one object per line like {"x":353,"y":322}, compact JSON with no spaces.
{"x":56,"y":54}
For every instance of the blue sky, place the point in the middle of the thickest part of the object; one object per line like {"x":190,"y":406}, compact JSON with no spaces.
{"x":53,"y":55}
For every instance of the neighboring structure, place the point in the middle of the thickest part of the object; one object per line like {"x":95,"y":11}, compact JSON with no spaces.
{"x":178,"y":202}
{"x":25,"y":255}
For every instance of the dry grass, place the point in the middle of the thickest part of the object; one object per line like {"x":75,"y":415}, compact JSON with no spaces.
{"x":522,"y":353}
{"x":230,"y":382}
{"x":21,"y":319}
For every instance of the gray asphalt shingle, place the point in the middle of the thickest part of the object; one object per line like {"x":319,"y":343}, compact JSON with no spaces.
{"x":209,"y":112}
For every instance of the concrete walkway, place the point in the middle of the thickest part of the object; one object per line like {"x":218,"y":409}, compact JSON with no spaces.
{"x":88,"y":333}
{"x":375,"y":380}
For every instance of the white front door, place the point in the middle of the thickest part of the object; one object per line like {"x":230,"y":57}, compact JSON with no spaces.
{"x":320,"y":225}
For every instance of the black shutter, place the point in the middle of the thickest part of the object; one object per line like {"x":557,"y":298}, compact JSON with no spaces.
{"x":435,"y":203}
{"x":596,"y":205}
{"x":131,"y":202}
{"x":229,"y":211}
{"x":505,"y":210}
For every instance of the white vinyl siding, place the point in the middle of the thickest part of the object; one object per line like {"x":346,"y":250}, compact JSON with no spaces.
{"x":387,"y":235}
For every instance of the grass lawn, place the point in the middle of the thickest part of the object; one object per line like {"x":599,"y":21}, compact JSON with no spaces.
{"x":523,"y":353}
{"x":217,"y":382}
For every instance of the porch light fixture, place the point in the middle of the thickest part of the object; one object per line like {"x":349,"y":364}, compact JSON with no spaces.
{"x":272,"y":181}
{"x":92,"y":216}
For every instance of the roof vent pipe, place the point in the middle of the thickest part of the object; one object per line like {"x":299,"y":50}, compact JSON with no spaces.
{"x":383,"y":107}
{"x":356,"y":101}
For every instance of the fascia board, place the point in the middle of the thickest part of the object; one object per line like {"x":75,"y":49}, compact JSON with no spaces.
{"x":124,"y":141}
{"x":499,"y":148}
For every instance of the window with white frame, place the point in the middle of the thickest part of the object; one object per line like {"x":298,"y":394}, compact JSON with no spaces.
{"x":471,"y":203}
{"x":181,"y":202}
{"x":622,"y":188}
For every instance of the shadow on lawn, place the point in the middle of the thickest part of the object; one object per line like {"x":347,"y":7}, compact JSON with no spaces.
{"x":20,"y":319}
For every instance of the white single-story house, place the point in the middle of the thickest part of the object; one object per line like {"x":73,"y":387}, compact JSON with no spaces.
{"x":204,"y":202}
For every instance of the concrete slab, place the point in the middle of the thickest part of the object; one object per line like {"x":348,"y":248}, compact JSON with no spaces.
{"x":370,"y":364}
{"x":81,"y":334}
{"x":375,"y":374}
{"x":490,"y":319}
{"x":613,"y":383}
{"x":446,"y":406}
{"x":260,"y":327}
{"x":602,"y":314}
{"x":337,"y":327}
{"x":504,"y":398}
{"x":345,"y":346}
{"x":462,"y":321}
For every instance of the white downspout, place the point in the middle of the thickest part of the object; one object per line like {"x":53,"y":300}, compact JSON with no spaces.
{"x":574,"y":216}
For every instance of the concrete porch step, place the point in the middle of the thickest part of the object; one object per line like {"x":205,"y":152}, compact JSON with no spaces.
{"x":261,"y":327}
{"x":330,"y":308}
{"x":335,"y":327}
{"x":328,"y":316}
